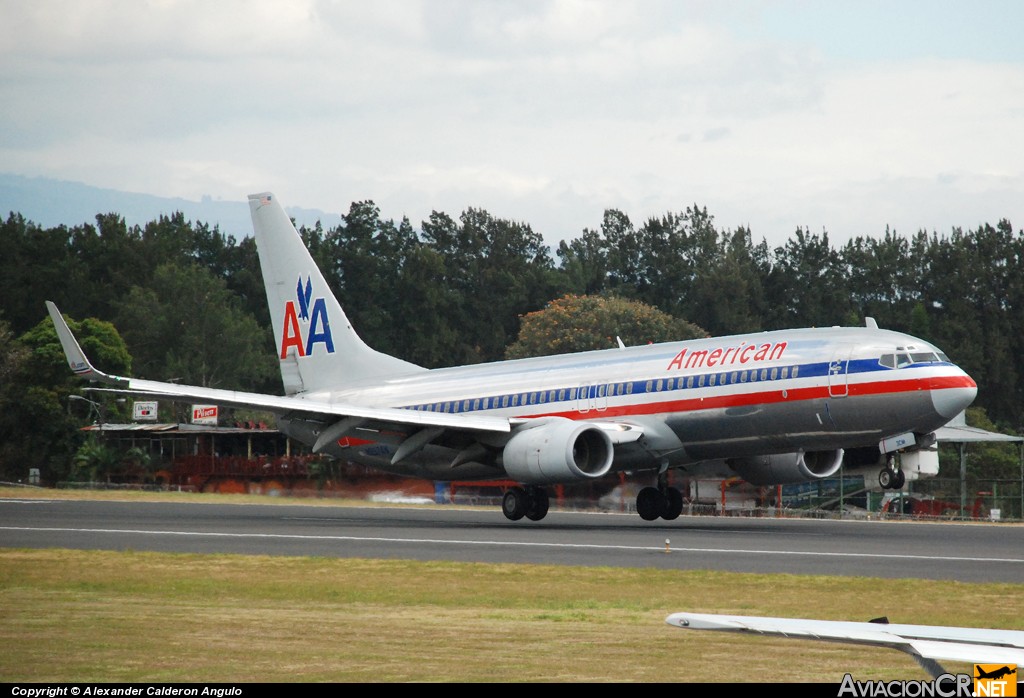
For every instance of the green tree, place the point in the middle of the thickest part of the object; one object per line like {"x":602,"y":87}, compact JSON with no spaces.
{"x":807,"y":284}
{"x":35,"y":265}
{"x":94,"y":461}
{"x":582,"y":323}
{"x":185,"y":325}
{"x":39,"y":427}
{"x":727,"y":292}
{"x":495,"y":270}
{"x":584,"y":263}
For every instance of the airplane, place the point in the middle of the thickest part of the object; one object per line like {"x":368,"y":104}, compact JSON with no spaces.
{"x":772,"y":407}
{"x":925,"y":643}
{"x":995,"y":673}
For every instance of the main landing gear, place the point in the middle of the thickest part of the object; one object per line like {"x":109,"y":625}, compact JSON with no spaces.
{"x":659,"y":502}
{"x":890,"y":478}
{"x":530,"y":501}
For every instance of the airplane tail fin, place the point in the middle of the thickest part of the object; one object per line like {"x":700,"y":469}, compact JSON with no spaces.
{"x":316,"y":344}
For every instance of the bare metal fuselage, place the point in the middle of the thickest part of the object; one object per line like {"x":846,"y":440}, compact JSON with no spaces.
{"x":697,"y":401}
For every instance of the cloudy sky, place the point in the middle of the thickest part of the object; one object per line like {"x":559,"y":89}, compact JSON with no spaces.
{"x":843,"y":117}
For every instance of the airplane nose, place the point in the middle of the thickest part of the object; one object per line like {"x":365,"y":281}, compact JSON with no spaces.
{"x":951,"y":401}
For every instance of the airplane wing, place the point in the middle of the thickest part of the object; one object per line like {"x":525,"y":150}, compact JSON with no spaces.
{"x":379,"y":417}
{"x":926,"y":643}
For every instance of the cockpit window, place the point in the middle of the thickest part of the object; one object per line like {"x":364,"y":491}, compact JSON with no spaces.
{"x":904,"y":358}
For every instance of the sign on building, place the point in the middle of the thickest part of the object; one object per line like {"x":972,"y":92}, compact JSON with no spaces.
{"x":204,"y":414}
{"x":144,"y":411}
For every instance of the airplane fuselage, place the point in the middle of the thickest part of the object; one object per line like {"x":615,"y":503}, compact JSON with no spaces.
{"x":699,"y":400}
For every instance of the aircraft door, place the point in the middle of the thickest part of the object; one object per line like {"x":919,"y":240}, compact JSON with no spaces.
{"x":838,"y":372}
{"x":583,"y":398}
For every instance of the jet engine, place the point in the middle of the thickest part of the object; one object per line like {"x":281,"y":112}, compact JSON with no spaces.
{"x":788,"y":468}
{"x":559,"y":450}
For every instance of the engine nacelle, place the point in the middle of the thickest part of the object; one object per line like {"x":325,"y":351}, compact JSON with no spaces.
{"x":788,"y":468}
{"x":558,"y":451}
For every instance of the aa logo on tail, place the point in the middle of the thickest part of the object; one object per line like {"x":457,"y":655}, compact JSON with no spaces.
{"x":313,"y":317}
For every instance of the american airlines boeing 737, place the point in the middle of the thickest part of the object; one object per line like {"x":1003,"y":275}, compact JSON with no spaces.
{"x":772,"y":407}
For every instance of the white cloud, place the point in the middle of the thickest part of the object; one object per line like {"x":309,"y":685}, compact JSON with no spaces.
{"x":546,"y":112}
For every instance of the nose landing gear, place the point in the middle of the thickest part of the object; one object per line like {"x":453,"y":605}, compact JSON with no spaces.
{"x":890,"y":478}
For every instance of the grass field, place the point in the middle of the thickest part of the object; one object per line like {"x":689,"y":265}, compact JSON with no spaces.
{"x":149,"y":617}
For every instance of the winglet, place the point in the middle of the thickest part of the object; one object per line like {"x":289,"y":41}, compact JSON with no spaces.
{"x":77,"y":360}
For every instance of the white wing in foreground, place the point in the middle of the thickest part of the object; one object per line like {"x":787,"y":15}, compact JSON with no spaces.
{"x":926,"y":643}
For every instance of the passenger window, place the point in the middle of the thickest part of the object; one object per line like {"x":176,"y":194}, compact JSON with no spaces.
{"x":712,"y":379}
{"x":796,"y":371}
{"x":743,"y":376}
{"x":764,"y":374}
{"x":700,"y":381}
{"x":775,"y":373}
{"x":785,"y":372}
{"x":689,"y":382}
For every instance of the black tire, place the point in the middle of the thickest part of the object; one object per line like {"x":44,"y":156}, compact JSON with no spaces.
{"x":899,"y":480}
{"x":673,"y":504}
{"x":885,"y":478}
{"x":650,"y":503}
{"x":513,"y":504}
{"x":537,"y":504}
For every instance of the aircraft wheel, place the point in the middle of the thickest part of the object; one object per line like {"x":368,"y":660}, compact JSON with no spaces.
{"x":650,"y":503}
{"x":885,"y":478}
{"x":899,"y":480}
{"x":673,"y":504}
{"x":537,"y":503}
{"x":513,"y":504}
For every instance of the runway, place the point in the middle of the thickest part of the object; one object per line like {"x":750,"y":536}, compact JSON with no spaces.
{"x":963,"y":552}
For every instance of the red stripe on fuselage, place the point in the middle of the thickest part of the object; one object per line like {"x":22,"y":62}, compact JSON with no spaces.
{"x":766,"y":397}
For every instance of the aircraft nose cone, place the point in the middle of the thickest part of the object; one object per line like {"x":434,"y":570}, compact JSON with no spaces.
{"x":951,"y":401}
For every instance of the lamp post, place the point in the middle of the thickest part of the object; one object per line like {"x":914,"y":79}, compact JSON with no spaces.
{"x":93,"y":406}
{"x":97,"y":407}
